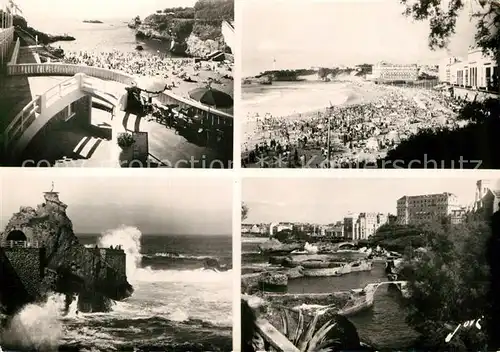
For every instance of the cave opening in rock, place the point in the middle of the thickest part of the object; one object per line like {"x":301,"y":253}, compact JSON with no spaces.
{"x":17,"y":238}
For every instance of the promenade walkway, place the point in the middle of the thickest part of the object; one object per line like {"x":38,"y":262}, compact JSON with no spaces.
{"x":93,"y":147}
{"x":15,"y":92}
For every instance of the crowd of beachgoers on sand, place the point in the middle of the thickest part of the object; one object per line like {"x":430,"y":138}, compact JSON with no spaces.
{"x":361,"y":132}
{"x":174,"y":71}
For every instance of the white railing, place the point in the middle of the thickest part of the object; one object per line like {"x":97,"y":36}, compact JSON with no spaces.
{"x":57,"y":92}
{"x":22,"y":120}
{"x":41,"y":103}
{"x":214,"y":116}
{"x":6,"y":38}
{"x":22,"y":244}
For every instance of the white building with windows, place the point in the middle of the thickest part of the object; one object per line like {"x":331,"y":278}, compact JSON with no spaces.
{"x":477,"y":71}
{"x":363,"y":225}
{"x":428,"y":207}
{"x":386,"y":72}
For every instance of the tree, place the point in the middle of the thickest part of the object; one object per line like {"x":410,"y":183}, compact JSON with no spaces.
{"x":244,"y":211}
{"x":284,"y":236}
{"x":442,"y":22}
{"x":323,"y":73}
{"x":448,"y":286}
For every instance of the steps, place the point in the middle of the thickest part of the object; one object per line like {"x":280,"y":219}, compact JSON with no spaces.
{"x":86,"y":147}
{"x":84,"y":150}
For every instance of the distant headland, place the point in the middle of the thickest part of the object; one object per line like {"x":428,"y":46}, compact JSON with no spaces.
{"x":92,"y":21}
{"x":30,"y":35}
{"x":324,"y":74}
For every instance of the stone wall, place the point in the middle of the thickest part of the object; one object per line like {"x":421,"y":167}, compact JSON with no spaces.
{"x":29,"y":266}
{"x":83,"y":111}
{"x":82,"y":108}
{"x":115,"y":258}
{"x":13,"y":293}
{"x":290,"y":300}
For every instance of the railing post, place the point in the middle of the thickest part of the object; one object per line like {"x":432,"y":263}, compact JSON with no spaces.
{"x":22,"y":122}
{"x":42,"y":103}
{"x":80,"y":77}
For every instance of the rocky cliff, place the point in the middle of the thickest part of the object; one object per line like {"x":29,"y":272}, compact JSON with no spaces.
{"x":273,"y":246}
{"x":28,"y":34}
{"x":76,"y":270}
{"x":189,"y":31}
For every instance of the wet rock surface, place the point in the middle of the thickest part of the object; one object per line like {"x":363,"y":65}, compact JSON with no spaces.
{"x":66,"y":265}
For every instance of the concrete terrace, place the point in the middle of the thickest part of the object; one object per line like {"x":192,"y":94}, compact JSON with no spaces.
{"x":70,"y":141}
{"x":73,"y":141}
{"x":15,"y":92}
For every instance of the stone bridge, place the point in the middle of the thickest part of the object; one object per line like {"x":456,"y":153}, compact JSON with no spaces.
{"x":346,"y":244}
{"x":371,"y":289}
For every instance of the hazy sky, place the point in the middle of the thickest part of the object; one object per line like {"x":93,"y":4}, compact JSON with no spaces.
{"x":34,"y":10}
{"x":305,"y":33}
{"x":156,"y":205}
{"x":325,"y":201}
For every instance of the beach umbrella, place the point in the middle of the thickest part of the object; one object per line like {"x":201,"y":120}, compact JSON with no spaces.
{"x":151,"y":84}
{"x":212,"y":97}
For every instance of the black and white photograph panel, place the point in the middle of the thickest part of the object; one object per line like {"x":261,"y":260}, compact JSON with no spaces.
{"x":117,"y":84}
{"x":387,"y":84}
{"x":106,"y":263}
{"x":383,"y":264}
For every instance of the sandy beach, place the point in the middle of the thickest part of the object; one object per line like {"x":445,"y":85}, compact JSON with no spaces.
{"x":300,"y":101}
{"x":367,"y":121}
{"x":180,"y":74}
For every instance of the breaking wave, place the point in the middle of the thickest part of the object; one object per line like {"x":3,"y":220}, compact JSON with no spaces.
{"x":177,"y":256}
{"x":167,"y":307}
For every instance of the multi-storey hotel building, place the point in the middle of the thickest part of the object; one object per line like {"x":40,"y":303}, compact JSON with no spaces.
{"x":416,"y":209}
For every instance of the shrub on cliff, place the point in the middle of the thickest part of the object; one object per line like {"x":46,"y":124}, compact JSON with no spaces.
{"x":206,"y":31}
{"x":214,"y":10}
{"x":180,"y":12}
{"x":182,"y":28}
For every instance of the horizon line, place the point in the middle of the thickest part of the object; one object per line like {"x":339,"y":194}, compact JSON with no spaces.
{"x":155,"y":234}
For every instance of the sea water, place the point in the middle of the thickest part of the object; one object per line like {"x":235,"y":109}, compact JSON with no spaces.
{"x":291,"y":98}
{"x":98,"y":37}
{"x":383,"y":325}
{"x":175,"y":302}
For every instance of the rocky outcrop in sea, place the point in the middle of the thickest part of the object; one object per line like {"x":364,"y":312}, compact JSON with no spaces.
{"x":273,"y":246}
{"x":40,"y":254}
